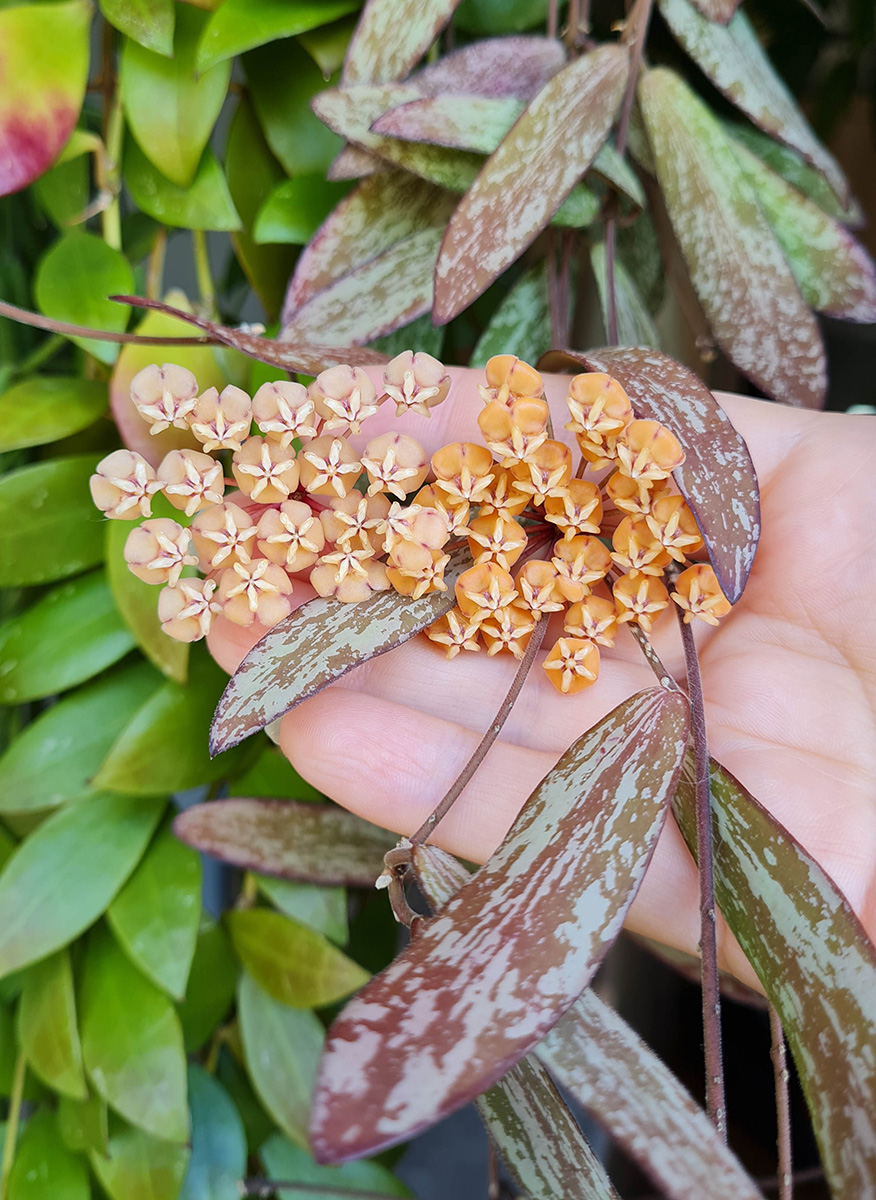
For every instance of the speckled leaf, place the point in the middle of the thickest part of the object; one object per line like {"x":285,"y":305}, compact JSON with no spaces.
{"x":43,"y":84}
{"x":634,"y":324}
{"x":317,"y":843}
{"x":283,"y":668}
{"x":392,"y":35}
{"x":834,"y":272}
{"x":746,"y":288}
{"x":815,"y":962}
{"x":524,"y":182}
{"x":238,"y":25}
{"x":717,"y":465}
{"x":519,"y":66}
{"x":354,"y":163}
{"x":734,"y":60}
{"x":382,"y":211}
{"x":482,"y":982}
{"x":521,"y":324}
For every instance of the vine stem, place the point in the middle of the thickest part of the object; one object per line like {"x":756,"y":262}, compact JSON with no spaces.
{"x":25,"y":317}
{"x":12,"y":1122}
{"x":783,"y":1107}
{"x":715,"y":1100}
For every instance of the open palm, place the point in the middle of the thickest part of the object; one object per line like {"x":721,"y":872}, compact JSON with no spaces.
{"x":789,"y":679}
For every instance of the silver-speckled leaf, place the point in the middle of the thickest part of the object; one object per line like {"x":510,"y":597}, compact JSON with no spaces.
{"x":634,"y":324}
{"x":747,"y":290}
{"x":521,"y":324}
{"x":834,"y":272}
{"x":315,"y":843}
{"x":717,"y":479}
{"x":354,"y":163}
{"x":717,"y":10}
{"x":317,"y":644}
{"x":391,"y":36}
{"x":484,"y":980}
{"x":815,"y":962}
{"x":736,"y":63}
{"x":524,"y":182}
{"x":519,"y":66}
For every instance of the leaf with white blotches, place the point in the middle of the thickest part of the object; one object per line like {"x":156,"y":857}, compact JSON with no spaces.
{"x":634,"y":324}
{"x":717,"y":464}
{"x":814,"y":959}
{"x":392,"y":35}
{"x":521,"y":324}
{"x":524,"y":182}
{"x":737,"y":64}
{"x":482,"y":982}
{"x":717,"y":10}
{"x":283,"y":668}
{"x":519,"y":65}
{"x":746,"y":288}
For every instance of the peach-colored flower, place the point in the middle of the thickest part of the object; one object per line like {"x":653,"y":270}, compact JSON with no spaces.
{"x":123,"y":485}
{"x":224,"y":534}
{"x":344,"y":397}
{"x":699,"y":594}
{"x":265,"y":471}
{"x":164,"y":395}
{"x":415,"y":382}
{"x":186,"y":609}
{"x":284,"y":410}
{"x":191,"y":480}
{"x":255,"y":591}
{"x":572,"y":664}
{"x":156,"y":551}
{"x":291,"y":536}
{"x":222,"y":422}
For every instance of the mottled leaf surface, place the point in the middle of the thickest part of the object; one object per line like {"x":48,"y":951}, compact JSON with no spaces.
{"x":737,"y":64}
{"x":815,"y":962}
{"x":315,"y":843}
{"x":519,"y":66}
{"x":746,"y":288}
{"x":634,"y":324}
{"x":283,"y":668}
{"x":392,"y":35}
{"x":482,"y":982}
{"x":524,"y":182}
{"x":521,"y":324}
{"x":717,"y":465}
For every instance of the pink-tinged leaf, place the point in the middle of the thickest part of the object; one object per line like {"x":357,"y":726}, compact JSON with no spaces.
{"x":382,"y":211}
{"x":717,"y":478}
{"x":391,"y":37}
{"x":736,"y":63}
{"x":501,"y":66}
{"x":746,"y":288}
{"x":483,"y":981}
{"x":314,"y":843}
{"x":308,"y":357}
{"x":42,"y":85}
{"x":314,"y":646}
{"x":524,"y":182}
{"x":834,"y":272}
{"x":354,"y":163}
{"x":815,"y":961}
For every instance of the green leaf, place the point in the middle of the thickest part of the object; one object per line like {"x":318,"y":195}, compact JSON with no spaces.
{"x":156,"y":914}
{"x":521,"y":324}
{"x":53,"y":759}
{"x":283,"y":79}
{"x":62,"y":877}
{"x":211,"y":984}
{"x":45,"y":1167}
{"x":73,"y":280}
{"x":43,"y":85}
{"x":49,"y":527}
{"x":63,"y":192}
{"x":137,"y":603}
{"x":634,"y":324}
{"x":421,"y":334}
{"x":283,"y":1047}
{"x":286,"y":1161}
{"x":327,"y":45}
{"x":132,"y":1042}
{"x":291,"y":962}
{"x":148,"y":22}
{"x":321,"y":908}
{"x":46,"y":408}
{"x":232,"y":1074}
{"x":239,"y":25}
{"x":84,"y":1124}
{"x":392,"y":35}
{"x":296,"y":208}
{"x":140,"y":1167}
{"x":274,"y":777}
{"x":164,"y":748}
{"x":66,"y":637}
{"x":489,"y":17}
{"x":47,"y":1026}
{"x":8,"y":1049}
{"x":205,"y":204}
{"x":171,"y":106}
{"x":218,"y":1161}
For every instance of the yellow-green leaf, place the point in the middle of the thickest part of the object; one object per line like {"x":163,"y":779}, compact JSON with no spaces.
{"x":47,"y":1026}
{"x":74,"y":279}
{"x":46,"y":408}
{"x":140,"y":1167}
{"x":44,"y":1167}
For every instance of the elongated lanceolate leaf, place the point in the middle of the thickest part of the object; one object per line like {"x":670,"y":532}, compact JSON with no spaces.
{"x":521,"y":324}
{"x":815,"y":961}
{"x":315,"y":646}
{"x":317,"y":843}
{"x":518,"y":66}
{"x":285,"y":1161}
{"x":740,"y":275}
{"x":717,"y":463}
{"x":483,"y":981}
{"x":392,"y":35}
{"x":354,"y":163}
{"x":736,"y":63}
{"x":833,"y":271}
{"x":634,"y":324}
{"x":524,"y":182}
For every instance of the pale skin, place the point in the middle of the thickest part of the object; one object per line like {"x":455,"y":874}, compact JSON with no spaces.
{"x":789,"y":678}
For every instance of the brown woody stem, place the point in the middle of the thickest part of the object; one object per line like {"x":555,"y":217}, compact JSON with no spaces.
{"x":715,"y":1101}
{"x":783,"y":1107}
{"x":25,"y":317}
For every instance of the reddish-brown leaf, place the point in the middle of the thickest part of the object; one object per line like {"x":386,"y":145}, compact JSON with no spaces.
{"x":391,"y":36}
{"x":740,"y":275}
{"x":314,"y":646}
{"x":483,"y":981}
{"x":717,"y":479}
{"x":354,"y":163}
{"x":315,"y":843}
{"x":501,"y":66}
{"x":523,"y":183}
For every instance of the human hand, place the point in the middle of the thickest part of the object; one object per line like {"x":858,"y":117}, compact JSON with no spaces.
{"x":789,"y":679}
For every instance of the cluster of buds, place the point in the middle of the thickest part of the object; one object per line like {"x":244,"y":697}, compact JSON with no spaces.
{"x":593,"y":544}
{"x":306,"y":504}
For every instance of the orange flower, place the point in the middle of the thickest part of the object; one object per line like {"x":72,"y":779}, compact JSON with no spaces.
{"x":634,"y":496}
{"x":599,"y":407}
{"x":698,"y":592}
{"x":508,"y":629}
{"x":639,"y":598}
{"x":673,"y":524}
{"x":291,"y":536}
{"x":464,"y":471}
{"x":545,"y":473}
{"x":572,"y":665}
{"x":483,"y":590}
{"x":329,"y":466}
{"x":265,"y":471}
{"x":648,"y":450}
{"x":577,"y":509}
{"x":637,"y":549}
{"x":537,"y":584}
{"x":580,"y":562}
{"x":354,"y":520}
{"x":509,"y":377}
{"x":496,"y":539}
{"x":455,"y":632}
{"x":514,"y":431}
{"x":594,"y":618}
